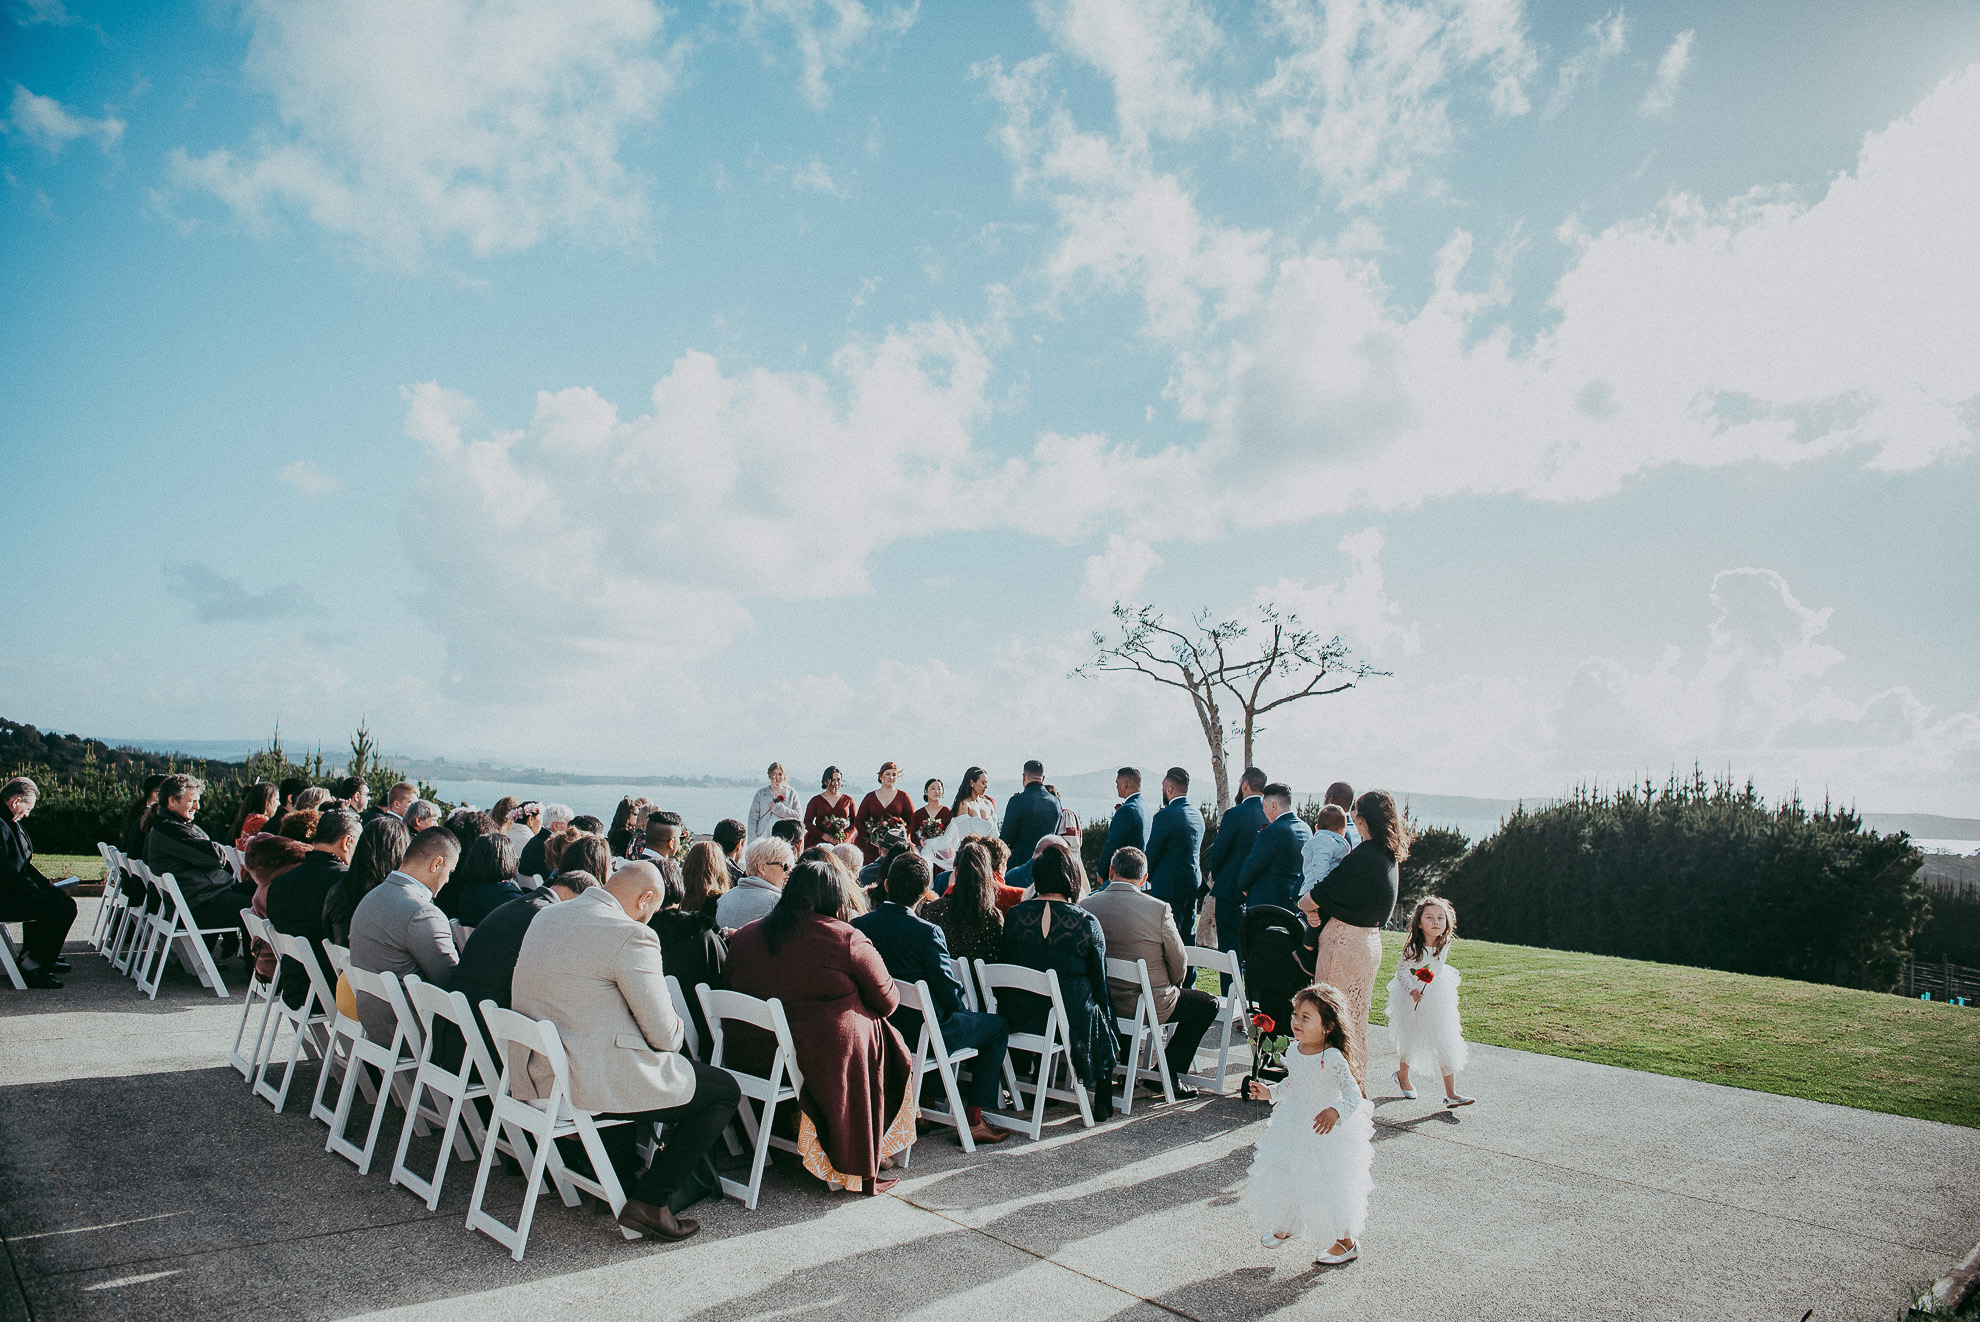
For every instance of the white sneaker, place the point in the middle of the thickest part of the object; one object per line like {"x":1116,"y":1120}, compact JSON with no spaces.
{"x":1459,"y":1101}
{"x":1335,"y":1259}
{"x":1407,"y":1091}
{"x":1272,"y":1241}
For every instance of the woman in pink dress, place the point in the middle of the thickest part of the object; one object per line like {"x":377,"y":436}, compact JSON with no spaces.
{"x":880,"y":805}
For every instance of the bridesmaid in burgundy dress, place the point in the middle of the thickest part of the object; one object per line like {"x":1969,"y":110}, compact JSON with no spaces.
{"x":829,"y":802}
{"x":880,"y":804}
{"x":932,"y":817}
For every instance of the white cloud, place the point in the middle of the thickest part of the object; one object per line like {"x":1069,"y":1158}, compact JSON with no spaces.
{"x":403,"y":128}
{"x":817,"y":178}
{"x":1149,"y":51}
{"x":1670,"y":72}
{"x":1117,"y":573}
{"x":1358,"y":608}
{"x":1608,"y":37}
{"x":28,"y":13}
{"x":307,"y":478}
{"x":50,"y":125}
{"x":828,"y":34}
{"x":1365,"y":95}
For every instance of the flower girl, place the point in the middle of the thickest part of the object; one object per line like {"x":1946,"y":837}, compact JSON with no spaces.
{"x":1310,"y":1175}
{"x":1423,"y":1001}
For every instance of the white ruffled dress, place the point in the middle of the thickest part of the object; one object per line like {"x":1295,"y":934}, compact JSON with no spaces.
{"x":1428,"y":1033}
{"x":1308,"y":1184}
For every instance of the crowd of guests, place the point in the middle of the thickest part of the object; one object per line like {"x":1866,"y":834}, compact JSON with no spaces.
{"x":829,"y":908}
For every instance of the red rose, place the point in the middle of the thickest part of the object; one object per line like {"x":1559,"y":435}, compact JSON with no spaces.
{"x":1423,"y":975}
{"x":1263,"y":1023}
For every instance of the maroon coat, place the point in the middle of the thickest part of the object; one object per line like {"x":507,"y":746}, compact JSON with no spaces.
{"x":837,"y":995}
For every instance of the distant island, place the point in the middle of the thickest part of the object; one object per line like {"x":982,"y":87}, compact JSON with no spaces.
{"x":439,"y":768}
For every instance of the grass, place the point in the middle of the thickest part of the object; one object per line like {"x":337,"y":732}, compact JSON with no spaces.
{"x":1829,"y":1044}
{"x":57,"y":866}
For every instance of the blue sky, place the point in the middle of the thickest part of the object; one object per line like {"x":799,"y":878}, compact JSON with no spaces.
{"x":624,"y":389}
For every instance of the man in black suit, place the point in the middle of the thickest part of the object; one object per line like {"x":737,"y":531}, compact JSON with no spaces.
{"x":295,"y":899}
{"x":1237,"y":830}
{"x":915,"y":950}
{"x":488,"y":960}
{"x":1272,"y":870}
{"x":26,"y":896}
{"x":1032,"y":813}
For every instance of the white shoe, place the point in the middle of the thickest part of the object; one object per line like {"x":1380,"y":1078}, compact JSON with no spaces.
{"x":1459,"y":1101}
{"x":1407,"y":1091}
{"x":1335,"y":1259}
{"x":1272,"y":1241}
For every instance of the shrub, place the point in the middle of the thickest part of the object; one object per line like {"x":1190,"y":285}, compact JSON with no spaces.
{"x":1951,"y":931}
{"x":1698,"y":874}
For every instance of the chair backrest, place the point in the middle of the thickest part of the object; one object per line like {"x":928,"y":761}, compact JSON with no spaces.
{"x":385,"y":986}
{"x":680,"y":1000}
{"x":914,"y":996}
{"x":517,"y":1038}
{"x":1203,"y":957}
{"x":430,"y":1002}
{"x":298,"y":949}
{"x":340,"y":956}
{"x":1015,"y":977}
{"x":720,"y":1006}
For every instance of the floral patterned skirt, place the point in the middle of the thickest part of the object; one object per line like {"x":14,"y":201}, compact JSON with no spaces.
{"x":811,"y":1151}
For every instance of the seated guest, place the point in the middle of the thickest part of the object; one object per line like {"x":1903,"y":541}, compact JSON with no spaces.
{"x":266,"y":858}
{"x":398,"y":929}
{"x":692,"y":945}
{"x":522,"y":823}
{"x":179,"y":847}
{"x":503,"y":811}
{"x":468,"y":825}
{"x":891,"y":842}
{"x":585,"y":824}
{"x":769,"y":862}
{"x":397,"y":800}
{"x":381,"y":848}
{"x":1008,"y":896}
{"x":29,"y":898}
{"x":296,"y":898}
{"x":662,"y":838}
{"x":587,"y":853}
{"x":790,"y":832}
{"x":420,"y":814}
{"x":488,"y":960}
{"x":313,"y":798}
{"x":137,"y":821}
{"x":628,"y":826}
{"x":1273,"y":868}
{"x":1139,"y":926}
{"x":728,"y":834}
{"x":914,"y":951}
{"x":705,"y":873}
{"x":1051,"y":932}
{"x":1019,"y":877}
{"x":286,"y":791}
{"x":258,"y":803}
{"x":855,"y":1111}
{"x":351,"y":792}
{"x":299,"y":824}
{"x":485,"y":880}
{"x":592,"y":967}
{"x":972,"y":924}
{"x":556,"y":821}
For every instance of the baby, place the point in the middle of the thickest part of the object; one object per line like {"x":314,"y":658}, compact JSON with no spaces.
{"x":1325,"y":850}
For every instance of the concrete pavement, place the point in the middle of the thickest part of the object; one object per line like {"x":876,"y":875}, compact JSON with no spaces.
{"x":138,"y":1179}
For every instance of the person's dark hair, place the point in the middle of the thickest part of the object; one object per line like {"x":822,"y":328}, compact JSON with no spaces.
{"x":1179,"y":777}
{"x":1132,"y":773}
{"x":1331,"y":818}
{"x":1129,"y":863}
{"x":826,"y":778}
{"x":1052,"y":874}
{"x":929,"y":784}
{"x":274,"y":853}
{"x":576,"y":882}
{"x":466,"y":824}
{"x":290,"y":787}
{"x":704,"y":876}
{"x":999,"y":850}
{"x":1278,"y":791}
{"x":346,"y":787}
{"x":1341,"y":795}
{"x":962,"y":790}
{"x":622,"y":815}
{"x":503,"y":806}
{"x":1385,"y":825}
{"x":335,"y":824}
{"x":258,"y":798}
{"x":1034,"y":768}
{"x":490,"y":858}
{"x":663,"y":824}
{"x":433,"y":840}
{"x":585,"y":824}
{"x":729,"y":833}
{"x":1253,"y":779}
{"x":907,"y":878}
{"x":553,"y":851}
{"x":973,"y":887}
{"x":784,"y":828}
{"x":813,"y":888}
{"x":587,"y":854}
{"x":142,"y":806}
{"x":381,"y":850}
{"x":300,"y":824}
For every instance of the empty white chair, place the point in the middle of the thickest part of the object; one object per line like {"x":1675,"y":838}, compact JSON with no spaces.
{"x":308,"y":1023}
{"x":933,"y":1050}
{"x":1145,"y":1032}
{"x":770,"y":1090}
{"x":396,"y":1061}
{"x":532,"y":1126}
{"x":260,"y":991}
{"x":1231,"y":1011}
{"x":10,"y":959}
{"x":473,"y":1079}
{"x":1052,"y":1047}
{"x":174,"y":928}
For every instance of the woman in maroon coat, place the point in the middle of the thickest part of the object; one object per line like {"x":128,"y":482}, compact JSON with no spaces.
{"x":879,"y":805}
{"x":854,"y":1109}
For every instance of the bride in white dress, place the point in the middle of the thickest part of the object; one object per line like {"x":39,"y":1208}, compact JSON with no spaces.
{"x":973,"y":798}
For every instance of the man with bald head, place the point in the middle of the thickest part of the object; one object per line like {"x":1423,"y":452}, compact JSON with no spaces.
{"x":591,"y":966}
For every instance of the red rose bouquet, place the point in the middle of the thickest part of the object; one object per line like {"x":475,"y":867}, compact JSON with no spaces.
{"x":835,"y":827}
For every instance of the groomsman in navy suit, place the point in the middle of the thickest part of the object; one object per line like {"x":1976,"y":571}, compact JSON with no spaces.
{"x":1175,"y":853}
{"x":1236,"y":832}
{"x":1129,"y":829}
{"x":1031,"y":815}
{"x":1272,"y":871}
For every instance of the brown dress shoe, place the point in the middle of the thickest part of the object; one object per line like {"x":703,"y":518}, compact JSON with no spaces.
{"x":985,"y":1132}
{"x":659,"y":1222}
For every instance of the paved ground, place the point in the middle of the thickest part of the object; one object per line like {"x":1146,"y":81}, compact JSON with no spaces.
{"x":138,"y":1179}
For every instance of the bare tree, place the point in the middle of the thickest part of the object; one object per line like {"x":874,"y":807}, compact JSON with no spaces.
{"x":1224,"y":661}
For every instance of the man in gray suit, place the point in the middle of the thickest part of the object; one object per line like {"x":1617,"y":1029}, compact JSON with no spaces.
{"x":398,"y":929}
{"x":1139,"y":926}
{"x":591,"y":966}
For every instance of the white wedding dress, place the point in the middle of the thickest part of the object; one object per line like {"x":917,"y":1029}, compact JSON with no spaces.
{"x":1314,"y":1185}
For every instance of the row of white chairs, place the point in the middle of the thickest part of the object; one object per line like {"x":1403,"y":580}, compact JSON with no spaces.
{"x":139,"y":937}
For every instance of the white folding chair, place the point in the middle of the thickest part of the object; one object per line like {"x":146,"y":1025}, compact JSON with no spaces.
{"x":396,"y":1061}
{"x":260,"y":991}
{"x":680,"y":1000}
{"x":134,"y":920}
{"x":109,"y":909}
{"x":1230,"y":1018}
{"x":933,"y":1050}
{"x":173,"y":928}
{"x":966,"y":975}
{"x":339,"y":1031}
{"x":10,"y":959}
{"x":308,"y":1023}
{"x":473,"y":1079}
{"x":1145,"y":1032}
{"x":770,"y":1091}
{"x":545,"y":1120}
{"x":1052,"y":1047}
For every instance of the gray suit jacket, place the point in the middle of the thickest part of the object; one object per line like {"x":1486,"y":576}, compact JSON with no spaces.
{"x":590,"y":969}
{"x":398,"y":929}
{"x":1139,"y":926}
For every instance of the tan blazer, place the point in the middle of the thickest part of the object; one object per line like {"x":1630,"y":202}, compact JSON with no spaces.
{"x":1139,"y":926}
{"x":592,"y":970}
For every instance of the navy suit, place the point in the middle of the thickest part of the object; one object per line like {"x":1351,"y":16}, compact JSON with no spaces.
{"x":1272,"y":871}
{"x":1029,"y":817}
{"x":1175,"y":861}
{"x":1128,"y":830}
{"x":1237,"y":830}
{"x":914,"y":950}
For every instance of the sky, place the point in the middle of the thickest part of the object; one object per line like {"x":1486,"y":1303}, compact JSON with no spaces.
{"x":623,"y":388}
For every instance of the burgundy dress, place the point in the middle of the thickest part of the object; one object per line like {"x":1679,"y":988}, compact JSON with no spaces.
{"x":873,"y":809}
{"x":837,"y":995}
{"x":818,"y":810}
{"x":922,"y":817}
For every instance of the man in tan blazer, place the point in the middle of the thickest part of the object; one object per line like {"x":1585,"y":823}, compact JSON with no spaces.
{"x":591,"y":966}
{"x":1139,"y":926}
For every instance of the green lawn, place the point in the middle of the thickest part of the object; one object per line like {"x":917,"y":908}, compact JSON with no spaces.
{"x":57,"y":866}
{"x":1828,"y":1044}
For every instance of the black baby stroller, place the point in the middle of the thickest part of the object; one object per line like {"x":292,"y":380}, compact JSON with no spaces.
{"x":1271,"y":946}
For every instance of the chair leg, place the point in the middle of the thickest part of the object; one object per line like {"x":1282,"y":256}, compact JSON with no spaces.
{"x":956,"y":1108}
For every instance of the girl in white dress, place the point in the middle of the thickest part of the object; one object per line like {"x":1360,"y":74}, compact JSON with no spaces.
{"x":1310,"y":1175}
{"x":1423,"y":1001}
